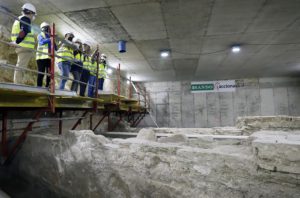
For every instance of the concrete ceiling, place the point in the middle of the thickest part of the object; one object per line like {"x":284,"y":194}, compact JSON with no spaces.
{"x":199,"y":34}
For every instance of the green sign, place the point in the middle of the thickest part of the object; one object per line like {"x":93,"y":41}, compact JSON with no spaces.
{"x":202,"y":87}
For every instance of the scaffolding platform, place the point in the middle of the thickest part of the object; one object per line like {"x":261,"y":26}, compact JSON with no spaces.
{"x":120,"y":103}
{"x":21,"y":96}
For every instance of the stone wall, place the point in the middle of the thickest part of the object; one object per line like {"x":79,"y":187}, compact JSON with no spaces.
{"x":173,"y":104}
{"x":81,"y":164}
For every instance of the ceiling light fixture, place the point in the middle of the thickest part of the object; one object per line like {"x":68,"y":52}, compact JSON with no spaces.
{"x":165,"y":53}
{"x":236,"y":48}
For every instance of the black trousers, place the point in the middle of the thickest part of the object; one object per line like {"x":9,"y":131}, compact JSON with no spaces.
{"x":76,"y":76}
{"x":101,"y":83}
{"x":43,"y":66}
{"x":85,"y":75}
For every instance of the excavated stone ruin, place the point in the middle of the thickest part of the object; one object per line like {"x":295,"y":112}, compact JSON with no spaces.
{"x":207,"y":163}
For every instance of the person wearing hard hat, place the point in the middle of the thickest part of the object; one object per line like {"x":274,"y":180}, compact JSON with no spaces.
{"x":65,"y":53}
{"x":85,"y":74}
{"x":22,"y":36}
{"x":93,"y":77}
{"x":76,"y":67}
{"x":43,"y":59}
{"x":101,"y":71}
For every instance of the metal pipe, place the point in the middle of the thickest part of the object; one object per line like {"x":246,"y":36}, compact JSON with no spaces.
{"x":47,"y":119}
{"x":138,"y":122}
{"x":79,"y":120}
{"x":153,"y":119}
{"x":22,"y":137}
{"x":135,"y":89}
{"x":13,"y":67}
{"x":67,"y":78}
{"x":104,"y":115}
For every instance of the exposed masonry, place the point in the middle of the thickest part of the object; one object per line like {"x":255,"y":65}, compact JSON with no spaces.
{"x":258,"y":159}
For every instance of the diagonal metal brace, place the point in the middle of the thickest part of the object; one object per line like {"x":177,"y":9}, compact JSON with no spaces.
{"x":104,"y":115}
{"x":23,"y":136}
{"x":79,"y":120}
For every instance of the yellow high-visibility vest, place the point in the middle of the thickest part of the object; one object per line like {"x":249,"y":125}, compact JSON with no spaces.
{"x":42,"y":48}
{"x":78,"y":57}
{"x":101,"y":71}
{"x":86,"y":62}
{"x":65,"y":53}
{"x":93,"y":68}
{"x":28,"y":41}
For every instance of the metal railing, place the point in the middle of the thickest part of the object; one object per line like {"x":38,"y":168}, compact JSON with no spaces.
{"x":54,"y":76}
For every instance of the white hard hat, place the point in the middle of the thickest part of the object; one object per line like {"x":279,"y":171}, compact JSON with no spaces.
{"x":78,"y":41}
{"x":103,"y":56}
{"x":44,"y":24}
{"x":87,"y":43}
{"x":30,"y":7}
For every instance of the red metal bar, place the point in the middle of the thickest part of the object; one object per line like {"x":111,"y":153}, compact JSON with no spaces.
{"x":104,"y":115}
{"x":79,"y":120}
{"x":119,"y":79}
{"x":23,"y":136}
{"x":60,"y":122}
{"x":52,"y":70}
{"x":4,"y":134}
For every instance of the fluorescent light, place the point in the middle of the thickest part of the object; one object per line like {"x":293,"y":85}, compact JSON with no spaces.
{"x":164,"y":53}
{"x":235,"y":49}
{"x":109,"y":71}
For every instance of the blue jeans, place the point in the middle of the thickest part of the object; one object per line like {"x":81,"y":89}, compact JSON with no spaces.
{"x":101,"y":82}
{"x":92,"y":82}
{"x":64,"y":67}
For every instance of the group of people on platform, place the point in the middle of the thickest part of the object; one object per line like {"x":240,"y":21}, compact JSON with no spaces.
{"x":73,"y":56}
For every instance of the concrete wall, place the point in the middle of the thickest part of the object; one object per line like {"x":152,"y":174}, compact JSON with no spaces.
{"x":173,"y":105}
